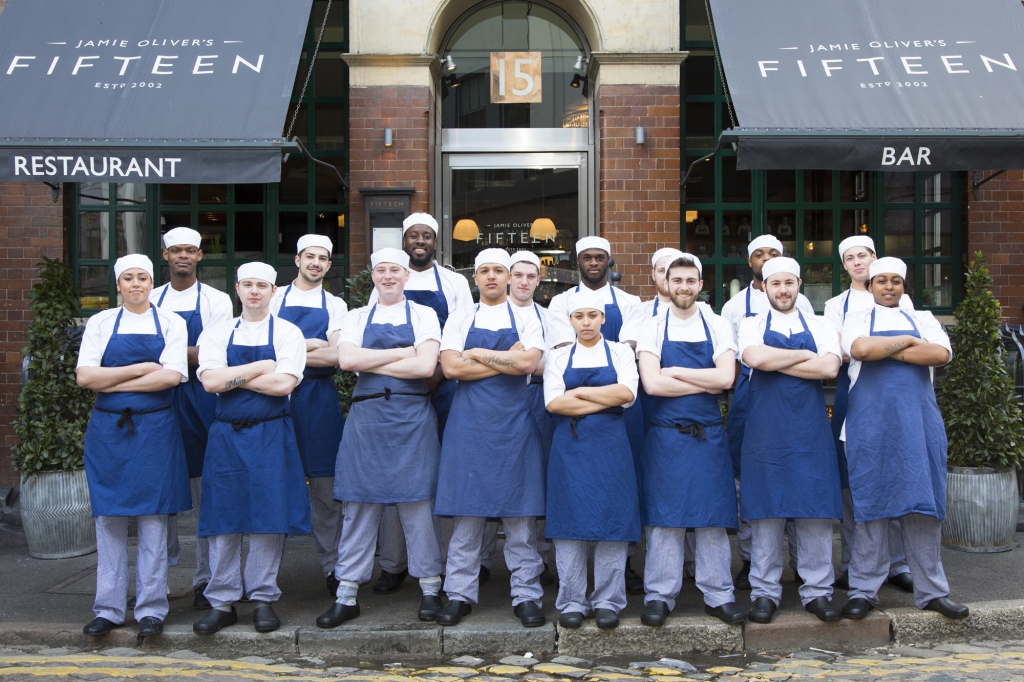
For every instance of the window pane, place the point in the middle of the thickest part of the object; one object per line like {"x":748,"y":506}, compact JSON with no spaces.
{"x":899,"y":233}
{"x":329,"y":225}
{"x":294,"y":186}
{"x":735,"y":233}
{"x":700,"y":233}
{"x":248,"y":235}
{"x":213,"y":194}
{"x":818,"y":234}
{"x":937,"y":237}
{"x":818,"y":185}
{"x":131,"y":193}
{"x":93,"y":235}
{"x":899,"y":186}
{"x":335,"y":30}
{"x":131,"y":232}
{"x":248,"y":194}
{"x":328,"y":189}
{"x":735,"y":183}
{"x":734,"y":279}
{"x":331,"y":75}
{"x":214,"y":228}
{"x":700,"y":186}
{"x":781,"y":186}
{"x":92,"y":193}
{"x":910,"y":288}
{"x":215,"y":276}
{"x":94,"y":286}
{"x":853,"y":223}
{"x":171,"y":220}
{"x":175,"y":194}
{"x":938,"y":187}
{"x":700,"y":125}
{"x":938,"y":286}
{"x":331,"y":127}
{"x":817,"y":278}
{"x":709,"y":291}
{"x":700,"y":73}
{"x":697,"y":27}
{"x":853,"y":186}
{"x":290,"y":226}
{"x":301,"y":129}
{"x":782,"y":224}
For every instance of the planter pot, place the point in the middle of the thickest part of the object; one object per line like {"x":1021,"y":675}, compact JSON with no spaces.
{"x":981,"y":509}
{"x":56,"y":514}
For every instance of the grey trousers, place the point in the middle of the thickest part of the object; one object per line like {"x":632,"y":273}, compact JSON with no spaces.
{"x":897,"y":555}
{"x":112,"y":568}
{"x":462,"y":580}
{"x":814,"y":558}
{"x":663,"y":571}
{"x":545,"y":547}
{"x":326,"y":521}
{"x":743,"y":535}
{"x":358,"y":538}
{"x":922,"y":538}
{"x":393,"y":555}
{"x":202,"y":574}
{"x":261,"y":567}
{"x":609,"y":576}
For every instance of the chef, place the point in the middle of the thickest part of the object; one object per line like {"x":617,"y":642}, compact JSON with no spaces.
{"x":592,"y":495}
{"x":896,"y":444}
{"x":390,"y":450}
{"x":252,"y":477}
{"x":687,"y":359}
{"x":133,"y":357}
{"x":315,"y":407}
{"x":746,"y":304}
{"x":201,"y":306}
{"x":445,"y":291}
{"x":492,"y":459}
{"x":789,"y":468}
{"x":856,"y":255}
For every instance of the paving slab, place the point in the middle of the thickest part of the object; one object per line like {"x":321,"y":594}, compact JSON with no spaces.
{"x":799,"y":630}
{"x":678,"y":637}
{"x":494,"y":637}
{"x":236,"y":640}
{"x":988,"y":620}
{"x":352,"y":639}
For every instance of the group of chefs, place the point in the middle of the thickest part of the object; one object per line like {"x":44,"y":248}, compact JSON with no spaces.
{"x":583,"y":428}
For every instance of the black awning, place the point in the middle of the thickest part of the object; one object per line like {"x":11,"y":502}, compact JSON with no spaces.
{"x":874,"y":84}
{"x":161,"y":91}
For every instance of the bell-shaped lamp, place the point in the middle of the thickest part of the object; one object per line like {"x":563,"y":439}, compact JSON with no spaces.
{"x":466,"y":230}
{"x":543,"y":228}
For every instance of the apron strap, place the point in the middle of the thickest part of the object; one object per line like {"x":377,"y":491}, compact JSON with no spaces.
{"x":695,"y":430}
{"x":386,"y":395}
{"x":127,"y":414}
{"x":437,"y":278}
{"x":240,"y":424}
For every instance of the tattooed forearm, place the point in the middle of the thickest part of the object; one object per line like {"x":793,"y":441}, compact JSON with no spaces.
{"x":894,"y":348}
{"x":236,"y":382}
{"x":495,"y":362}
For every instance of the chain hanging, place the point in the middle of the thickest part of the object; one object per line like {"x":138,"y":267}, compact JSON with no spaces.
{"x":309,"y":73}
{"x":718,"y":62}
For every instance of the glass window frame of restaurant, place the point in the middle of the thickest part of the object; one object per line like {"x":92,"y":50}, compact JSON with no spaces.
{"x":299,"y":204}
{"x":902,"y":212}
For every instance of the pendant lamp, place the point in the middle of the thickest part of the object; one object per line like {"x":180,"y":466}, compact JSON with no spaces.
{"x":466,"y":230}
{"x":543,"y":229}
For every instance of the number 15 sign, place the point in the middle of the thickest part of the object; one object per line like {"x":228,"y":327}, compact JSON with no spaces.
{"x":515,"y":77}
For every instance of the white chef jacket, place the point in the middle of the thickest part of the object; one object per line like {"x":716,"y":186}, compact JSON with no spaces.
{"x":652,"y":332}
{"x":493,"y":318}
{"x":890,"y":319}
{"x":423,"y":319}
{"x":336,"y":306}
{"x":289,"y":345}
{"x":825,"y":336}
{"x":859,"y":301}
{"x":100,"y":327}
{"x":630,"y":307}
{"x":533,"y":310}
{"x":214,"y":305}
{"x":622,"y":359}
{"x":454,"y":286}
{"x":735,"y":309}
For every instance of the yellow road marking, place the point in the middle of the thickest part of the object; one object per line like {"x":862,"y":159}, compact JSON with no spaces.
{"x":64,"y":671}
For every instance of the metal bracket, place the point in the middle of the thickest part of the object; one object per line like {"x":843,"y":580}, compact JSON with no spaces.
{"x":978,"y":182}
{"x":54,"y":190}
{"x":682,"y":183}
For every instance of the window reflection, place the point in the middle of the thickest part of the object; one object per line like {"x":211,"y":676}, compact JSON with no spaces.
{"x":131,"y":232}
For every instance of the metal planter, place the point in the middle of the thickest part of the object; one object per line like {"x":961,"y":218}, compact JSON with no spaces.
{"x":981,"y":509}
{"x":56,"y":513}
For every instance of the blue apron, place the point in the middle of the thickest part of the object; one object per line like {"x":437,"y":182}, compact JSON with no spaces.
{"x":492,"y":461}
{"x":545,"y":420}
{"x":390,"y":450}
{"x":895,"y":439}
{"x":688,"y":480}
{"x":738,"y":408}
{"x":441,"y":398}
{"x":252,"y":479}
{"x":193,"y":406}
{"x":839,"y":407}
{"x":592,"y":493}
{"x":789,"y":469}
{"x":647,"y":401}
{"x":134,"y":458}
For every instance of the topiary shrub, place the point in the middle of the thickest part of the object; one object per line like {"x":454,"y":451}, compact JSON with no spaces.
{"x":54,"y":410}
{"x":976,"y":397}
{"x":359,"y":288}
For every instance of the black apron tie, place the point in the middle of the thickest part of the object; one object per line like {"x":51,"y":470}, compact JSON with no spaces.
{"x":239,"y":424}
{"x":386,"y":395}
{"x":127,"y":414}
{"x":572,"y":425}
{"x":695,"y":430}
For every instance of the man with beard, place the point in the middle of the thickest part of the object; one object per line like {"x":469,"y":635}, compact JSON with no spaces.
{"x":315,"y":407}
{"x":687,"y":358}
{"x":660,"y":261}
{"x":789,"y":468}
{"x":436,"y":287}
{"x":201,"y":306}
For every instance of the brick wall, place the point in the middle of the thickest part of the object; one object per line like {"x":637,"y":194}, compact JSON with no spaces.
{"x":31,"y":226}
{"x":639,"y":185}
{"x":995,"y":226}
{"x":406,"y":110}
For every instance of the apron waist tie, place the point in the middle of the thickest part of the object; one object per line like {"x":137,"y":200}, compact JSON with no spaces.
{"x":386,"y":395}
{"x":239,"y":424}
{"x":127,"y":414}
{"x":616,"y":411}
{"x":696,"y":430}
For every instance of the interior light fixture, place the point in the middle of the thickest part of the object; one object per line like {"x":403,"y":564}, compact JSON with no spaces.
{"x":691,"y":216}
{"x":449,"y":64}
{"x":543,"y":229}
{"x":466,"y":230}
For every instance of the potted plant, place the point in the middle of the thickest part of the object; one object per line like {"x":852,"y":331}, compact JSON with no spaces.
{"x":983,"y":425}
{"x":55,"y":508}
{"x":359,"y":289}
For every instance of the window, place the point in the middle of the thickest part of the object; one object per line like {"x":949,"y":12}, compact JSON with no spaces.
{"x":112,"y":222}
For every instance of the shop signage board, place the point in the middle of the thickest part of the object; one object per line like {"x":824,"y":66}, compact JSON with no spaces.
{"x":516,"y":77}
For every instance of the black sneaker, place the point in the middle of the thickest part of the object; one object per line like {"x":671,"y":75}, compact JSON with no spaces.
{"x":389,"y":582}
{"x":742,"y":579}
{"x":199,"y":600}
{"x":634,"y":581}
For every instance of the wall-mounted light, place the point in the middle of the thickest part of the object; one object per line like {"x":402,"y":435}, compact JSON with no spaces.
{"x":466,"y":230}
{"x":577,"y":81}
{"x":389,"y":137}
{"x":451,"y":80}
{"x":641,"y":135}
{"x":580,"y":64}
{"x":449,"y":64}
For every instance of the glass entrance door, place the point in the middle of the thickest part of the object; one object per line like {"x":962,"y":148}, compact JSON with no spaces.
{"x":516,"y":202}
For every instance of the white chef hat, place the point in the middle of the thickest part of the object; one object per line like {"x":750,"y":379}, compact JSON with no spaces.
{"x":389,"y":255}
{"x":585,"y":298}
{"x":498,"y":256}
{"x":133,"y":260}
{"x":769,"y":241}
{"x":308,"y":240}
{"x":525,"y":257}
{"x":257,"y":271}
{"x":690,"y":256}
{"x":419,"y":219}
{"x":858,"y":240}
{"x":888,"y":264}
{"x":593,"y":243}
{"x":182,"y":236}
{"x":780,"y":264}
{"x":661,"y":253}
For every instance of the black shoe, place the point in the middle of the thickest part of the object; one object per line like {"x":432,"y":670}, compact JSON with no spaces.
{"x":547,"y":578}
{"x":742,"y":579}
{"x":654,"y":613}
{"x":199,"y":600}
{"x":430,"y":605}
{"x":842,"y":581}
{"x":150,"y":626}
{"x":634,"y":581}
{"x":99,"y":626}
{"x":336,"y":615}
{"x":824,"y":609}
{"x":389,"y":582}
{"x":762,"y":610}
{"x":571,"y":619}
{"x":948,"y":608}
{"x":904,"y":581}
{"x":214,"y":621}
{"x":485,"y":574}
{"x":454,"y":611}
{"x":263,"y":617}
{"x":606,"y":619}
{"x":529,"y":614}
{"x":727,"y":613}
{"x":332,"y":585}
{"x":857,"y":608}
